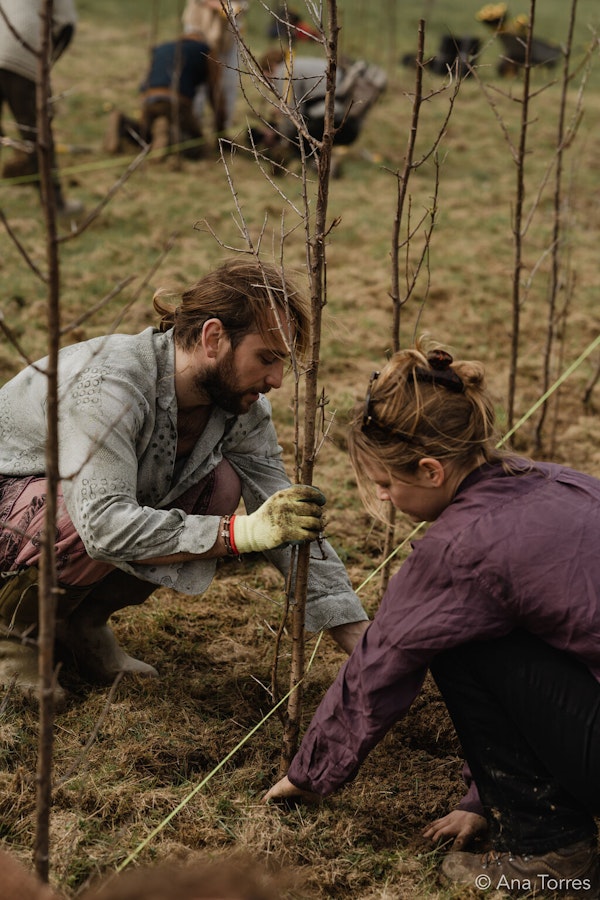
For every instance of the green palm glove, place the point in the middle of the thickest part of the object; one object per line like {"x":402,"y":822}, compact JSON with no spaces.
{"x":291,"y":516}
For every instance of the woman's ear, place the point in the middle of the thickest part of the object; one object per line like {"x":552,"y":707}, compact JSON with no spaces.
{"x":432,"y":472}
{"x":212,"y":334}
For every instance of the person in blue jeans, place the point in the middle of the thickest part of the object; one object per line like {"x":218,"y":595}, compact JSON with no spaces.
{"x":500,"y":600}
{"x":177,"y":70}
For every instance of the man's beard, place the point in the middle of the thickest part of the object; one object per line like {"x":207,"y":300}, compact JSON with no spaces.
{"x":221,"y":386}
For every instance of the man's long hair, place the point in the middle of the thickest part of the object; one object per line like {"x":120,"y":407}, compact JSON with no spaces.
{"x":247,"y":296}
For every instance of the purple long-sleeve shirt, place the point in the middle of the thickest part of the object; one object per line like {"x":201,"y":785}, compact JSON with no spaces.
{"x":509,"y":551}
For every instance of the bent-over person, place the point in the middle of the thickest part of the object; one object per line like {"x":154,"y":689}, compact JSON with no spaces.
{"x":500,"y":600}
{"x":161,"y":434}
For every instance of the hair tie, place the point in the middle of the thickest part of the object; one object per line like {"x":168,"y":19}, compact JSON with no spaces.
{"x":440,"y":372}
{"x":440,"y":360}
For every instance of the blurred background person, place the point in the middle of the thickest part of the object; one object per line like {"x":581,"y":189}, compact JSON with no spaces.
{"x":20,"y":42}
{"x":302,"y":82}
{"x":168,"y":118}
{"x":215,"y":880}
{"x":210,"y":19}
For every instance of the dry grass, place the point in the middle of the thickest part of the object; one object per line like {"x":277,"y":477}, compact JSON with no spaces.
{"x":158,"y":740}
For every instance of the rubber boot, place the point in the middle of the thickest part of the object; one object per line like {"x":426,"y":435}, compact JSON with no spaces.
{"x":113,"y":138}
{"x":70,"y":209}
{"x":25,"y":164}
{"x":18,"y":628}
{"x":91,"y":641}
{"x":20,"y":165}
{"x":161,"y":139}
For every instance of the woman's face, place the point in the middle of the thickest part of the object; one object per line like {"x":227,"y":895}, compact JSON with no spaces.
{"x":422,"y":495}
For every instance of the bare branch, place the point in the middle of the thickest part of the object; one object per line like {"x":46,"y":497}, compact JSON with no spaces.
{"x":10,"y":335}
{"x":35,"y":269}
{"x":75,"y":323}
{"x":131,"y":168}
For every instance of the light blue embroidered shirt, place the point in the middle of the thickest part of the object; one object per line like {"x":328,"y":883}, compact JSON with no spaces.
{"x":118,"y":441}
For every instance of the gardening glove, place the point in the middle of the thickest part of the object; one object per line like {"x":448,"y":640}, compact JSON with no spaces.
{"x":290,"y":516}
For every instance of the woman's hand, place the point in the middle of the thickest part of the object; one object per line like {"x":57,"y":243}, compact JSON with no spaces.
{"x":461,"y":825}
{"x":284,"y":789}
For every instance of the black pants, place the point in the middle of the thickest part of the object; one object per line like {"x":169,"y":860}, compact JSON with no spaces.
{"x":528,"y":718}
{"x":19,"y":93}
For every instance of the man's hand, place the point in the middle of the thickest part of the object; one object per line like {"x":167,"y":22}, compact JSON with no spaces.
{"x":284,"y":789}
{"x":291,"y":516}
{"x":461,"y":825}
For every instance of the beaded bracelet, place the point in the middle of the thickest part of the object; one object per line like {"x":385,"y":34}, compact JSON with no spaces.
{"x":227,"y":535}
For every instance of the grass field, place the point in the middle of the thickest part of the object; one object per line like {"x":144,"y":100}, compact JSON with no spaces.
{"x":157,"y":741}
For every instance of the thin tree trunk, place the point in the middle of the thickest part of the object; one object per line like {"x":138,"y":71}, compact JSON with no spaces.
{"x":402,"y":190}
{"x":518,"y":224}
{"x":557,"y":229}
{"x":589,"y":388}
{"x":316,"y":261}
{"x":48,"y":582}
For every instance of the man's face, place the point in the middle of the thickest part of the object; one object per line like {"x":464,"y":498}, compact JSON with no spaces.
{"x":239,"y":376}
